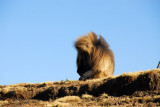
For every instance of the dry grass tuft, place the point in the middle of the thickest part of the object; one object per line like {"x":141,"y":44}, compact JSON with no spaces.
{"x":58,"y":104}
{"x":68,"y":99}
{"x":3,"y":102}
{"x":87,"y":96}
{"x":104,"y":95}
{"x":134,"y":75}
{"x":11,"y":88}
{"x":64,"y":101}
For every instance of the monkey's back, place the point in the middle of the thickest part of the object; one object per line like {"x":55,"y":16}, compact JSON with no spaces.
{"x":105,"y":66}
{"x":95,"y":59}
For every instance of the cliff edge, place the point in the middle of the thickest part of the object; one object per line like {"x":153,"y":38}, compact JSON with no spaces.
{"x":130,"y":89}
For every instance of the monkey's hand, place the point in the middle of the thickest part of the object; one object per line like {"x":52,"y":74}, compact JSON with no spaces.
{"x":87,"y":75}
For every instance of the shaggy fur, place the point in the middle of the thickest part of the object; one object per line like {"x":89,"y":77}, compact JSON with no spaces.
{"x":94,"y":59}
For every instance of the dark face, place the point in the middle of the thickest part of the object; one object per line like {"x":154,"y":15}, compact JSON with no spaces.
{"x":85,"y":61}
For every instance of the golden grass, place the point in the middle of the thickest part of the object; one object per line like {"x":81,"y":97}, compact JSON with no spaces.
{"x":58,"y":104}
{"x":104,"y":95}
{"x":64,"y":101}
{"x":11,"y":88}
{"x":25,"y":90}
{"x":86,"y":96}
{"x":134,"y":75}
{"x":68,"y":99}
{"x":3,"y":102}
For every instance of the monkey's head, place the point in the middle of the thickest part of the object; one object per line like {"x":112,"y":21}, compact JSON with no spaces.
{"x":86,"y":43}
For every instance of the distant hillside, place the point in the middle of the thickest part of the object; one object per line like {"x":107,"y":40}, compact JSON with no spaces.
{"x":130,"y":89}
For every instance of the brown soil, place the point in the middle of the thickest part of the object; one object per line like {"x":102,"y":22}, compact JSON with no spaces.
{"x":130,"y":89}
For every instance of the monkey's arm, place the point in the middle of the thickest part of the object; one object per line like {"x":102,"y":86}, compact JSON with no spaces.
{"x":80,"y":66}
{"x":87,"y":75}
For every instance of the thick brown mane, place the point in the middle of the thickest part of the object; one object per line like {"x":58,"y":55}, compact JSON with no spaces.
{"x":95,"y":59}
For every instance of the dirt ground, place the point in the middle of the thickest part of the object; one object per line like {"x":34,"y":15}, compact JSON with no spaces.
{"x":130,"y":89}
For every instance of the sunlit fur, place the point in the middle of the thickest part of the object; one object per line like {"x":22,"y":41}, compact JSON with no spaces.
{"x":94,"y":59}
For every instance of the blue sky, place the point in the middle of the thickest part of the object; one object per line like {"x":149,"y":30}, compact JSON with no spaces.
{"x":37,"y":36}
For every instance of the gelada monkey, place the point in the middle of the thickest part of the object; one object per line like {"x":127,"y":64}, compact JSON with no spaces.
{"x":95,"y":59}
